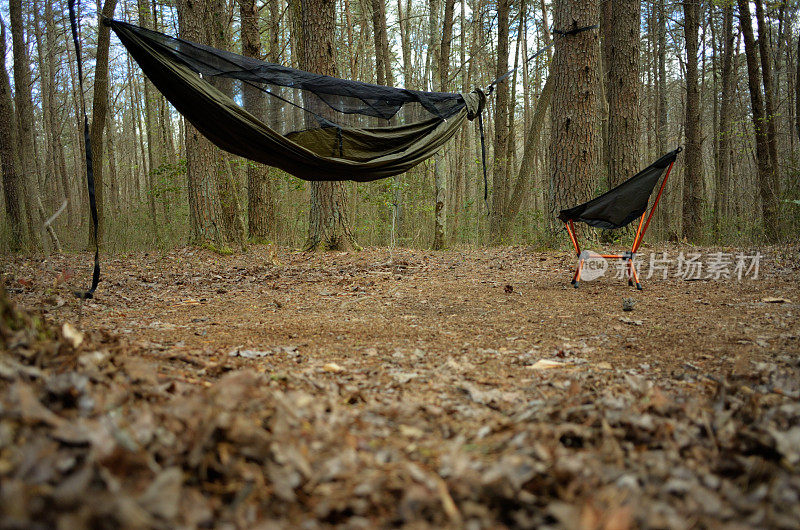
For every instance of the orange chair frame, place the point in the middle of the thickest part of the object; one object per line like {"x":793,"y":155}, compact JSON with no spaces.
{"x":630,"y":269}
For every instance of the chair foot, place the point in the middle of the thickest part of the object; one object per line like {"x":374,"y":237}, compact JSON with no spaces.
{"x":638,"y":286}
{"x":576,"y":284}
{"x":630,"y":283}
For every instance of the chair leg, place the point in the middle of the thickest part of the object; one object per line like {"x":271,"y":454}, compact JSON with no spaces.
{"x":635,"y":276}
{"x":576,"y":281}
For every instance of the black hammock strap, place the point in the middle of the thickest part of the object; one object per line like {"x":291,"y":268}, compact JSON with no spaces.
{"x":89,"y":172}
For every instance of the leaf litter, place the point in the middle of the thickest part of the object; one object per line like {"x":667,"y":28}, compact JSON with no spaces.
{"x":100,"y":430}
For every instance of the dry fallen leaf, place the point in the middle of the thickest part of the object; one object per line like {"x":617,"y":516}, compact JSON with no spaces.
{"x":547,"y":364}
{"x":70,"y":333}
{"x":333,"y":368}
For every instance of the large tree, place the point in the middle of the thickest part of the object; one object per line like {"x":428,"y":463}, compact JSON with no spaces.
{"x":693,"y":169}
{"x":574,"y":124}
{"x":621,"y":58}
{"x":328,"y":227}
{"x":206,"y":169}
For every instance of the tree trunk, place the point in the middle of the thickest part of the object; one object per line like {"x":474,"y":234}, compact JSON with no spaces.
{"x":383,"y":65}
{"x":724,"y":133}
{"x":196,"y":21}
{"x":769,"y":91}
{"x":769,"y":200}
{"x":441,"y":73}
{"x":54,"y":124}
{"x":501,"y":126}
{"x":622,"y":91}
{"x":574,"y":127}
{"x":99,"y":110}
{"x":328,"y":227}
{"x":526,"y":166}
{"x":797,"y":92}
{"x":260,"y":210}
{"x":25,"y":121}
{"x":693,"y":169}
{"x":8,"y":156}
{"x":151,"y":131}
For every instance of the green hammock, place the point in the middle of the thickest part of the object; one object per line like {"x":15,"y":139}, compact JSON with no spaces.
{"x":325,"y":151}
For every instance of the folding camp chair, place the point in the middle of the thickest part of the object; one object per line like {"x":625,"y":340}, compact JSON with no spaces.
{"x":617,"y":208}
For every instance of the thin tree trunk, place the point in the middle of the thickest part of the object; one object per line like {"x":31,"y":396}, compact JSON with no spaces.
{"x":724,"y":139}
{"x":260,"y":210}
{"x":383,"y":65}
{"x":526,"y":166}
{"x":769,"y":201}
{"x":797,"y":92}
{"x":99,"y":110}
{"x":25,"y":121}
{"x":501,"y":126}
{"x":12,"y":188}
{"x":769,"y":96}
{"x":693,"y":169}
{"x":151,"y":132}
{"x":662,"y":215}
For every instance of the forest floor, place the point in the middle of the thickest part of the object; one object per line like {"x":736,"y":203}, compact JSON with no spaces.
{"x":469,"y":388}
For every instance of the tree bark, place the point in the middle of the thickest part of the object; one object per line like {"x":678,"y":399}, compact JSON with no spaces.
{"x":693,"y":168}
{"x":25,"y":121}
{"x":12,"y":191}
{"x":99,"y":110}
{"x":769,"y":199}
{"x":260,"y":209}
{"x":328,"y":227}
{"x":526,"y":166}
{"x":621,"y":53}
{"x":208,"y":225}
{"x":769,"y":92}
{"x":151,"y":130}
{"x":797,"y":92}
{"x":724,"y":133}
{"x":501,"y":126}
{"x":441,"y":74}
{"x":574,"y":127}
{"x":383,"y":65}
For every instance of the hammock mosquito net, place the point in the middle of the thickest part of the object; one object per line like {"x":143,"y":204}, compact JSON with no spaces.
{"x":313,"y":126}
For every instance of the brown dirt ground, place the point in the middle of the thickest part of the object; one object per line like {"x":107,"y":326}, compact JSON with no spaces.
{"x":357,"y":308}
{"x":429,"y":328}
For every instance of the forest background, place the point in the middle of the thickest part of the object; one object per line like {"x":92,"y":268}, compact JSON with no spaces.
{"x":715,"y":76}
